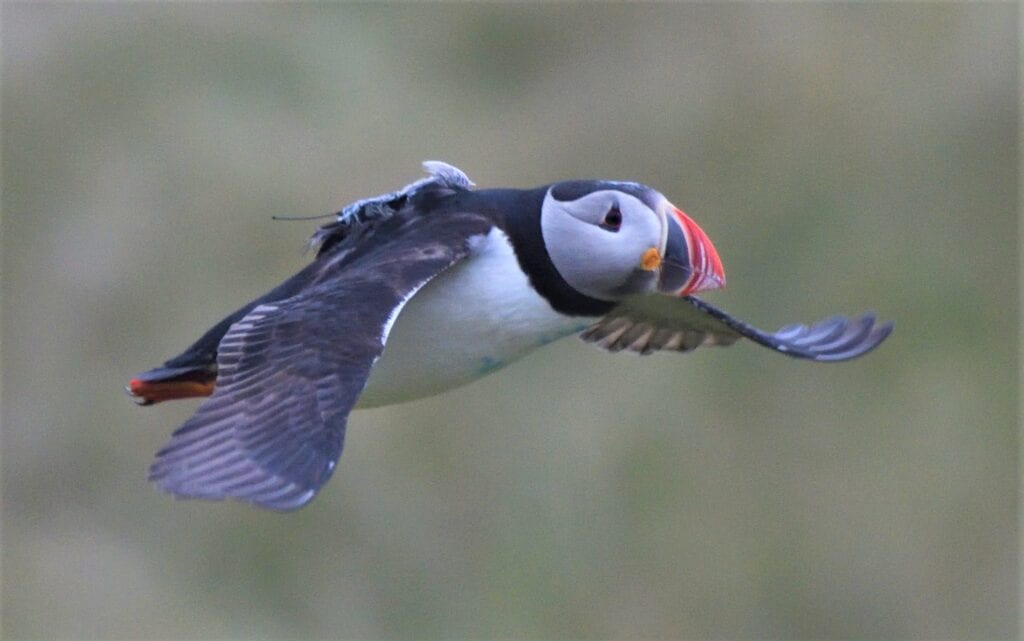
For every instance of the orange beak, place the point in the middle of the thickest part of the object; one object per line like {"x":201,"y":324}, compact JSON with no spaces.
{"x":691,"y":263}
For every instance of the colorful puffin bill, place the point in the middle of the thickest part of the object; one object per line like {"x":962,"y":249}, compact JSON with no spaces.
{"x":430,"y":287}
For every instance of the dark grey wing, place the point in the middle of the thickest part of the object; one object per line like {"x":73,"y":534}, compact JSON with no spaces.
{"x":647,"y":324}
{"x":290,"y":371}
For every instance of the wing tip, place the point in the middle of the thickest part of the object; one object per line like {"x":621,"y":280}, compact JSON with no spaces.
{"x":860,"y":336}
{"x":268,"y":492}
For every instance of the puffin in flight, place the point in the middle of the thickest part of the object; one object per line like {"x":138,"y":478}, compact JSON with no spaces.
{"x":428,"y":288}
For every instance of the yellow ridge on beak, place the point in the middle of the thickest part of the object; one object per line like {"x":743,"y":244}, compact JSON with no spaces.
{"x":651,"y":259}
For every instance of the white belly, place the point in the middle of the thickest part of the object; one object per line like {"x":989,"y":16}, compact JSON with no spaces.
{"x":473,"y":319}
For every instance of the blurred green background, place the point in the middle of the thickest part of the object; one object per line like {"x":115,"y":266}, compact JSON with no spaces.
{"x":842,"y":157}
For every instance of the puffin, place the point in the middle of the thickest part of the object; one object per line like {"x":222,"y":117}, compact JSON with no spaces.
{"x":428,"y":288}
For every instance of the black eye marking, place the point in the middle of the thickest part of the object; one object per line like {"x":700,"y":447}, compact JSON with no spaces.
{"x":612,"y":220}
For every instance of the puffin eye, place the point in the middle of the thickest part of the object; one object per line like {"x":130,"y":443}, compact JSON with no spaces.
{"x":612,"y":220}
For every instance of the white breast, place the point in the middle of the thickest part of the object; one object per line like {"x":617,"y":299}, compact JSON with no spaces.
{"x":475,"y":318}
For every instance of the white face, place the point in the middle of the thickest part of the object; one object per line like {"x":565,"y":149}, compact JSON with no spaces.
{"x":601,"y":243}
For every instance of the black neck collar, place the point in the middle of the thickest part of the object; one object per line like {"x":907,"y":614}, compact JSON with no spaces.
{"x":517,"y":212}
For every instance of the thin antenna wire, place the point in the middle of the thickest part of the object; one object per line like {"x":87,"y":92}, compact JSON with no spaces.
{"x":302,"y":217}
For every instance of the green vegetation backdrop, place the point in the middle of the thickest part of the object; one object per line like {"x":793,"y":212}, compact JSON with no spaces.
{"x":842,"y":157}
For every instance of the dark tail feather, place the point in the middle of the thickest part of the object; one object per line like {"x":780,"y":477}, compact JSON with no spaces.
{"x":194,"y":371}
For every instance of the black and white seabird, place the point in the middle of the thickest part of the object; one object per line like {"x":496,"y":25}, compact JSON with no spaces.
{"x":456,"y":283}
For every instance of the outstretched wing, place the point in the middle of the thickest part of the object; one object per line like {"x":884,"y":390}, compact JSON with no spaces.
{"x":647,"y":324}
{"x":289,"y":372}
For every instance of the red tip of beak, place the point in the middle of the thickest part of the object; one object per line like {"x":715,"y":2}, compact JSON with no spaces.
{"x":705,"y":265}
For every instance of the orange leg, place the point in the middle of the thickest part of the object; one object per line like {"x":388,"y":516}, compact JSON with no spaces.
{"x":147,"y":393}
